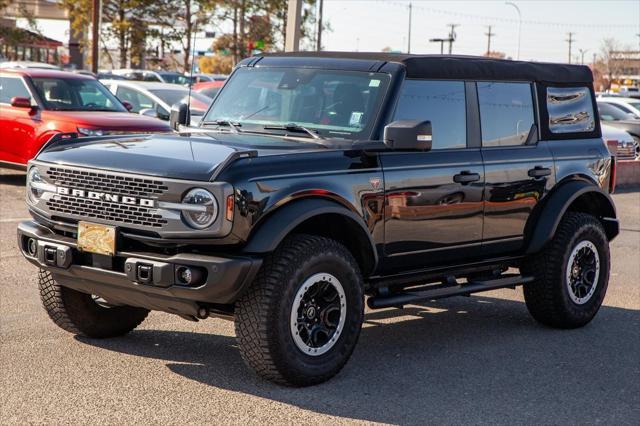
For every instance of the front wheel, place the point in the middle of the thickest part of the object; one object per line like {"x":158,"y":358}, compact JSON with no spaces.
{"x":571,"y":274}
{"x":300,"y":319}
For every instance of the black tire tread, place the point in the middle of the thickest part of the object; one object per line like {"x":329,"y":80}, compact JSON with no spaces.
{"x":257,"y":305}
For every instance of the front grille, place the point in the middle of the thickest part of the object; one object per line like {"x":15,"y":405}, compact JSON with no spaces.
{"x":134,"y":215}
{"x":85,"y":208}
{"x":97,"y":181}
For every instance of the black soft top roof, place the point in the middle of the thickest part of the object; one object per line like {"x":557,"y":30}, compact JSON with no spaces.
{"x":448,"y":66}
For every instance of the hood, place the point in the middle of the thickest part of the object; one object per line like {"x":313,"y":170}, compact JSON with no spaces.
{"x":178,"y":156}
{"x":117,"y":121}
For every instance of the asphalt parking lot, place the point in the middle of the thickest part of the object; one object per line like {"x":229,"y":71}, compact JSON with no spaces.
{"x":462,"y":360}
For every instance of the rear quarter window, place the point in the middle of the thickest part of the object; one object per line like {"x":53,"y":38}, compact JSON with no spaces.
{"x":570,"y":110}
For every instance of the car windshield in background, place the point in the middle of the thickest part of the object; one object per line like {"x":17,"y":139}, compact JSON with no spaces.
{"x":611,"y":113}
{"x":61,"y":94}
{"x":174,"y":78}
{"x":339,"y":104}
{"x":180,"y":95}
{"x":210,"y":92}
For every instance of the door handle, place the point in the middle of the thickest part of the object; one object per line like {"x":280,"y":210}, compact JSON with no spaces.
{"x":539,"y":171}
{"x":466,"y":177}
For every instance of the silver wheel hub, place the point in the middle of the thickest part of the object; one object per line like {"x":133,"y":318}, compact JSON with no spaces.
{"x":318,"y":314}
{"x":583,"y":272}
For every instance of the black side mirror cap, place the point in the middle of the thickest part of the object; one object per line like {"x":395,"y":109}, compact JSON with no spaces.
{"x":179,"y":116}
{"x":408,"y":135}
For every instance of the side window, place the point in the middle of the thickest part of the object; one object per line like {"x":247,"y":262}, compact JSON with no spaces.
{"x":136,"y":99}
{"x":11,"y":87}
{"x":570,"y":109}
{"x":441,"y":102}
{"x":150,"y":77}
{"x":506,"y":113}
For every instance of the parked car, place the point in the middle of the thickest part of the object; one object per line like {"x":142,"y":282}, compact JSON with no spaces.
{"x":626,"y":147}
{"x":203,"y":78}
{"x":629,"y":91}
{"x":627,"y":105}
{"x":169,"y":77}
{"x":209,"y":88}
{"x":156,"y":99}
{"x":619,"y":119}
{"x":27,"y":64}
{"x":317,"y":179}
{"x":36,"y":104}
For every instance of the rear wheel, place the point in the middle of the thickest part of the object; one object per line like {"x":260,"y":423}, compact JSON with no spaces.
{"x":299,"y":321}
{"x":85,"y":314}
{"x":572,"y":274}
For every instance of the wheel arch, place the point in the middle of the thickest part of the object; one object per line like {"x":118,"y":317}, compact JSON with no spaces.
{"x":575,"y":195}
{"x":316,"y":216}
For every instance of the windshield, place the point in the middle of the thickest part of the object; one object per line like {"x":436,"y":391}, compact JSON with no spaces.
{"x":611,"y":113}
{"x":75,"y":94}
{"x":174,"y":78}
{"x":339,"y":104}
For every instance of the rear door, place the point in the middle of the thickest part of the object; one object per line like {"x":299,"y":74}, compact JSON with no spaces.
{"x":17,"y":125}
{"x":433,"y":200}
{"x":519,"y":169}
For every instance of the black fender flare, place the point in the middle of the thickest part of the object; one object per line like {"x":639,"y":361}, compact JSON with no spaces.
{"x":542,"y":226}
{"x":277,"y":225}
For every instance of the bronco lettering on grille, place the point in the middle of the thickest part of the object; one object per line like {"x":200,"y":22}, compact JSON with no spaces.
{"x":105,"y":196}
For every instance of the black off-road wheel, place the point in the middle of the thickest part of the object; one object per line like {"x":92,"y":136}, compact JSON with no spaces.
{"x":84,"y":314}
{"x":571,"y":274}
{"x":299,"y":321}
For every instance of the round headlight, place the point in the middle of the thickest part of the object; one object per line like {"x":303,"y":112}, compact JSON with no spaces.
{"x":204,"y":211}
{"x":34,"y":177}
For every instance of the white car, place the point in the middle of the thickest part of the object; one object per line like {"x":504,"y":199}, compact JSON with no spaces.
{"x":628,"y":105}
{"x":171,"y":77}
{"x":28,"y":64}
{"x":156,"y":99}
{"x":626,"y":147}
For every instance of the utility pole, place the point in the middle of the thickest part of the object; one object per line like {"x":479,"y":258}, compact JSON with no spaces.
{"x":439,"y":40}
{"x":294,"y":21}
{"x":489,"y":34}
{"x":319,"y":40}
{"x":570,"y":40}
{"x":95,"y":36}
{"x":409,"y":36}
{"x":594,"y":60}
{"x":582,"y":52}
{"x":452,"y":36}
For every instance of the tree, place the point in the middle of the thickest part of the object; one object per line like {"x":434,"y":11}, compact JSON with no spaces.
{"x":219,"y":64}
{"x":612,"y":61}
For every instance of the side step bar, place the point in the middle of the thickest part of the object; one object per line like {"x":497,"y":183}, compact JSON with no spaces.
{"x":440,"y":291}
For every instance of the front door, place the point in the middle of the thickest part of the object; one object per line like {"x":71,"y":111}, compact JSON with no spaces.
{"x":16,"y":124}
{"x":433,"y":200}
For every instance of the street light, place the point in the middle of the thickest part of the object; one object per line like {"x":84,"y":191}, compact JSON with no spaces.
{"x":508,"y":3}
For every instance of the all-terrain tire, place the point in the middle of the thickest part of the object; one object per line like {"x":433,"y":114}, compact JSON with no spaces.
{"x":548,"y":298}
{"x":78,"y":312}
{"x":264,"y":312}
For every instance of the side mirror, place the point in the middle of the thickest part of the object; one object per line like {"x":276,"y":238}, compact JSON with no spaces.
{"x":127,"y":105}
{"x":149,"y":112}
{"x":408,"y":135}
{"x":179,"y":116}
{"x":20,"y":102}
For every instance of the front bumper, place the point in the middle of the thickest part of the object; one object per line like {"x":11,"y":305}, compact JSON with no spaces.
{"x":117,"y":279}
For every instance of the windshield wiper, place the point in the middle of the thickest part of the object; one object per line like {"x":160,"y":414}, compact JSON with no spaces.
{"x":293,"y":127}
{"x":234,"y":126}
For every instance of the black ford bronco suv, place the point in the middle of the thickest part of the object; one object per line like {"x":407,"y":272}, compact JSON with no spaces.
{"x":316,"y":180}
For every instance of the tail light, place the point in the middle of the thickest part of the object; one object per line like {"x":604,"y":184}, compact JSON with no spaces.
{"x":612,"y":176}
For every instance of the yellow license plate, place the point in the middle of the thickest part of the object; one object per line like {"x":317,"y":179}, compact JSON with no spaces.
{"x":96,"y":238}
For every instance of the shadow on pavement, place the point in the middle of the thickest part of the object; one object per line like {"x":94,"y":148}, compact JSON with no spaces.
{"x":475,"y":360}
{"x":13,"y":179}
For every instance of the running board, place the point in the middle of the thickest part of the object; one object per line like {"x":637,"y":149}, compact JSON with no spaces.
{"x":441,"y":291}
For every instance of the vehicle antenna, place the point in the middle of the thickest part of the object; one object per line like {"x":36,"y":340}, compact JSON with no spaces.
{"x":193,"y":60}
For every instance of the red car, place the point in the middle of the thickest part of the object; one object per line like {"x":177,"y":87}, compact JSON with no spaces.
{"x":35,"y":104}
{"x":209,"y":88}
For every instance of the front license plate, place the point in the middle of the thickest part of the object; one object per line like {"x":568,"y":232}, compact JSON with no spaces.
{"x":96,"y":238}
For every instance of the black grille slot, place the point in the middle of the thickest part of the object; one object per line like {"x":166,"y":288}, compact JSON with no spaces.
{"x":105,"y":182}
{"x":135,"y":215}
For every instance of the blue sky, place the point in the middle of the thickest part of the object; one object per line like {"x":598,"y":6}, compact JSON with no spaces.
{"x":371,"y":25}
